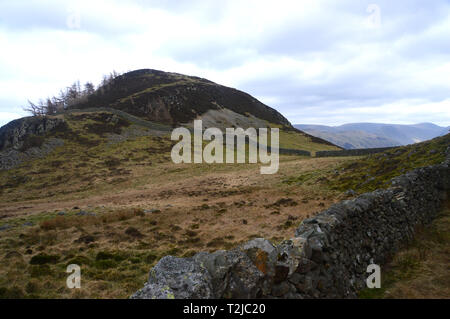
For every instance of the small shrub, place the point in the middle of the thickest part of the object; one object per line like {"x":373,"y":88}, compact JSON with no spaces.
{"x":151,"y":257}
{"x":40,"y":271}
{"x":133,"y":232}
{"x":103,"y":255}
{"x":175,"y":227}
{"x":43,"y":258}
{"x":288,"y":224}
{"x":11,"y":293}
{"x":191,"y":233}
{"x":56,"y":164}
{"x":79,"y":260}
{"x":32,"y":286}
{"x":106,"y":264}
{"x":58,"y":222}
{"x":112,"y":162}
{"x":85,"y":239}
{"x":138,"y":212}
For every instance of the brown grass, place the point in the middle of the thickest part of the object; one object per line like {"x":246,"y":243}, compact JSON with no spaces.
{"x":62,"y":222}
{"x":189,"y":209}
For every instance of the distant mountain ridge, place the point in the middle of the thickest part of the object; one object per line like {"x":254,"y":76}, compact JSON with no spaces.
{"x":370,"y":135}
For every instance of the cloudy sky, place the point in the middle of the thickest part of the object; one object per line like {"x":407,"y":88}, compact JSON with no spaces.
{"x":317,"y":62}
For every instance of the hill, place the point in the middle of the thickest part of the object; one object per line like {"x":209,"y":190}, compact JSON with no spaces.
{"x":173,"y":98}
{"x":153,"y":102}
{"x":371,"y":135}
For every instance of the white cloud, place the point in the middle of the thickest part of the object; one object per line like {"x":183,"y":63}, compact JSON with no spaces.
{"x":6,"y":117}
{"x":312,"y":60}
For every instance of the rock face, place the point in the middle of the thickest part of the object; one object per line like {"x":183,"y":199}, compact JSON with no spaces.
{"x":23,"y":139}
{"x":11,"y":158}
{"x":13,"y":134}
{"x":177,"y":278}
{"x":238,"y":273}
{"x":327,"y":258}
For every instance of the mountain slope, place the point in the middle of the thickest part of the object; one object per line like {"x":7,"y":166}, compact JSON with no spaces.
{"x":351,"y":139}
{"x":369,"y":135}
{"x":376,"y":170}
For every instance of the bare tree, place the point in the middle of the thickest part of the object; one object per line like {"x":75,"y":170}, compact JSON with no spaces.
{"x":50,"y":107}
{"x":58,"y":102}
{"x":89,"y":88}
{"x":69,"y":97}
{"x":72,"y":94}
{"x":34,"y":109}
{"x":107,"y":80}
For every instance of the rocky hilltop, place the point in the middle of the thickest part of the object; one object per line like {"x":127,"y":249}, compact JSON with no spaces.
{"x":173,"y":98}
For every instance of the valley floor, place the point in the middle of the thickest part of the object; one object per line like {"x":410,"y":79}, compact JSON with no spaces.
{"x":119,"y":231}
{"x":115,"y":205}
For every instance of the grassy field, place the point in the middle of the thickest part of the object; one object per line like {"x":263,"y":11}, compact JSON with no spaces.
{"x":112,"y":201}
{"x":174,"y":210}
{"x":376,"y":171}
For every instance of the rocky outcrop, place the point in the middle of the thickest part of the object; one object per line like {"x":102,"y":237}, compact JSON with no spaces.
{"x":327,"y":258}
{"x":24,"y":139}
{"x":13,"y":134}
{"x":11,"y":158}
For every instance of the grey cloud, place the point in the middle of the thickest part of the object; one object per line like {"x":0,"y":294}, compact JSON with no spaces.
{"x":21,"y":15}
{"x":409,"y":39}
{"x":25,"y":16}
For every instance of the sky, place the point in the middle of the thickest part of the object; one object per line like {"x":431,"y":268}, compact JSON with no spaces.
{"x":316,"y":62}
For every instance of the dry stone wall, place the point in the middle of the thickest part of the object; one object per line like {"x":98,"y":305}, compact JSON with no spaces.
{"x":353,"y":152}
{"x":327,"y":258}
